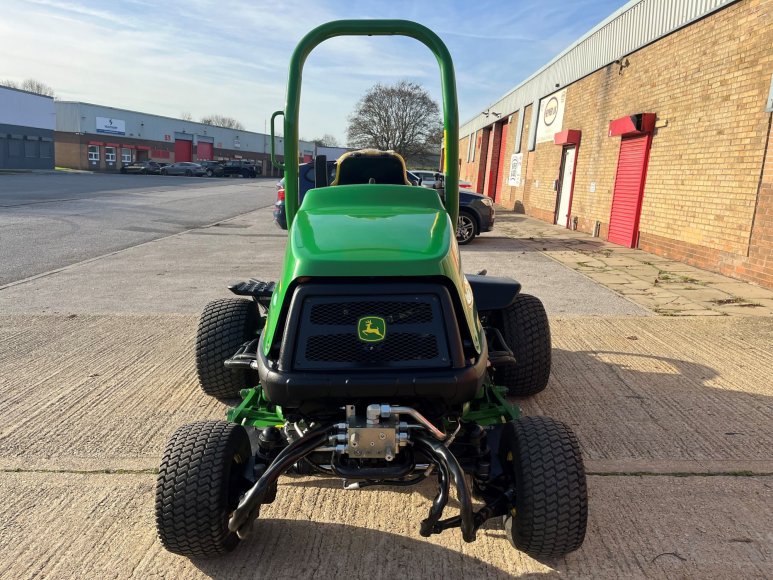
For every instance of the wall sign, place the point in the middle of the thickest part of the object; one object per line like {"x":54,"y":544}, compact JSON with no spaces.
{"x":515,"y":170}
{"x":551,"y":116}
{"x":111,"y":126}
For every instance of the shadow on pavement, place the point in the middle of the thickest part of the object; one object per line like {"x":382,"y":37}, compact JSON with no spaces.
{"x":300,"y":549}
{"x":658,"y":408}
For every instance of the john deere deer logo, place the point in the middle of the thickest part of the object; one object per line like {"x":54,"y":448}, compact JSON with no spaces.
{"x":371,"y":329}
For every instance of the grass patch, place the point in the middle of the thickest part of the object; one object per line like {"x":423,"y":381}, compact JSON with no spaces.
{"x":735,"y":300}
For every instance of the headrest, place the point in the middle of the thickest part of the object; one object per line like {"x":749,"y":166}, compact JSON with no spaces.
{"x":370,"y":166}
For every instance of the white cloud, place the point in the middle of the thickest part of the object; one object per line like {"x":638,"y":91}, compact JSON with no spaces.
{"x":231,"y":57}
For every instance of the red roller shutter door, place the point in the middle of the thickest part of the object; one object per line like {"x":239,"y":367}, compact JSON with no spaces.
{"x":629,"y":189}
{"x":204,"y":151}
{"x":183,"y":151}
{"x":504,"y":165}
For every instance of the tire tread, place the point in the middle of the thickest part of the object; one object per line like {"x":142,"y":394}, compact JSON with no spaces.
{"x":191,"y":489}
{"x":224,"y":326}
{"x":551,"y":492}
{"x":526,"y":329}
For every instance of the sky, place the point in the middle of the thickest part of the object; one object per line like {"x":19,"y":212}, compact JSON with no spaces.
{"x":230,"y":57}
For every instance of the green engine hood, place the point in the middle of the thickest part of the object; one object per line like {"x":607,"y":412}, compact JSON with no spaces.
{"x":371,"y":230}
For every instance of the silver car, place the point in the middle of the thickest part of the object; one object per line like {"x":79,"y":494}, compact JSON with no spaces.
{"x":184,"y":168}
{"x":428,"y":179}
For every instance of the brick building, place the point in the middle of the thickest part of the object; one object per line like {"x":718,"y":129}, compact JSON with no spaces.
{"x":652,"y":131}
{"x":101,"y":138}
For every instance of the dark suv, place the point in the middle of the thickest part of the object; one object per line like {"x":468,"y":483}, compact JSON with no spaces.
{"x":476,"y":211}
{"x":243,"y":167}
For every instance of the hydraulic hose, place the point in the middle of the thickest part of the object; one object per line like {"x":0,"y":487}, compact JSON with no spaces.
{"x":442,"y":454}
{"x":291,"y":454}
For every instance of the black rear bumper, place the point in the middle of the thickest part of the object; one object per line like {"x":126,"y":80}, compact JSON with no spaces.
{"x":306,"y":390}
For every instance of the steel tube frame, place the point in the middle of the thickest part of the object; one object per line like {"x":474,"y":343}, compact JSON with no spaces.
{"x":371,"y":28}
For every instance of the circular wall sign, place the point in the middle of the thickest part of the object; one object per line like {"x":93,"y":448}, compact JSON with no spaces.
{"x":551,"y":111}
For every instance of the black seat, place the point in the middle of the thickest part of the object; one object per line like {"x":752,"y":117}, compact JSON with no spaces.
{"x":371,"y":166}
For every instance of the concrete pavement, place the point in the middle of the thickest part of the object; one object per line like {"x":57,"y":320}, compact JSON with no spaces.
{"x":665,"y":286}
{"x":673,"y":416}
{"x":676,"y":438}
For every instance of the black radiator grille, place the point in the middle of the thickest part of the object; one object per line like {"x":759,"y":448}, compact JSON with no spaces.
{"x":396,"y":347}
{"x":335,"y":313}
{"x":328,"y":338}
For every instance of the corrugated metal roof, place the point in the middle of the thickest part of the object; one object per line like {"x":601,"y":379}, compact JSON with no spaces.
{"x":636,"y":24}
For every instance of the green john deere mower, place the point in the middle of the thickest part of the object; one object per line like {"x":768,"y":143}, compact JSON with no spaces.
{"x":374,"y":360}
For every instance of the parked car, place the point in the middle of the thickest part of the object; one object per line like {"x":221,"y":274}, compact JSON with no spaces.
{"x":144,"y":167}
{"x":184,"y":168}
{"x":243,"y":167}
{"x":428,"y":179}
{"x":476,"y":211}
{"x":212,"y":168}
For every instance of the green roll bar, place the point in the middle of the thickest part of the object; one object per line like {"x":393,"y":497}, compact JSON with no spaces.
{"x":274,"y":162}
{"x":369,"y":28}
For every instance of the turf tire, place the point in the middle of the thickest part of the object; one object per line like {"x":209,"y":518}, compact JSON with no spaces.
{"x":551,"y":500}
{"x":224,"y":326}
{"x":199,"y":484}
{"x":524,"y":326}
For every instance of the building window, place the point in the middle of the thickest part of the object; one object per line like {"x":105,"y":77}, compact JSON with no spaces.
{"x":126,"y":155}
{"x":93,"y":152}
{"x":110,"y":154}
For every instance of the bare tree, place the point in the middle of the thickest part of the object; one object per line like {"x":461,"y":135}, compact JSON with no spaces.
{"x":402,"y":117}
{"x":186,"y":116}
{"x":31,"y":86}
{"x":222,"y":121}
{"x":327,"y":140}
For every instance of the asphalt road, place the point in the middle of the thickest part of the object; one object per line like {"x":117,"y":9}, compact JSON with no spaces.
{"x":48,"y":221}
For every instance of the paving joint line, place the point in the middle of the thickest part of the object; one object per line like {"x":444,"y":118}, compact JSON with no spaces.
{"x":146,"y":471}
{"x":154,"y":471}
{"x":731,"y":473}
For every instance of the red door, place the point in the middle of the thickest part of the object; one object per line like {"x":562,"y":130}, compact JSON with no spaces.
{"x":629,"y":189}
{"x":183,"y":151}
{"x":504,"y":165}
{"x":204,"y":151}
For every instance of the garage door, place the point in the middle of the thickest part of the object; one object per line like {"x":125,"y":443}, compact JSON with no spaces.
{"x":629,"y":189}
{"x":183,"y":151}
{"x":504,"y":165}
{"x":204,"y":151}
